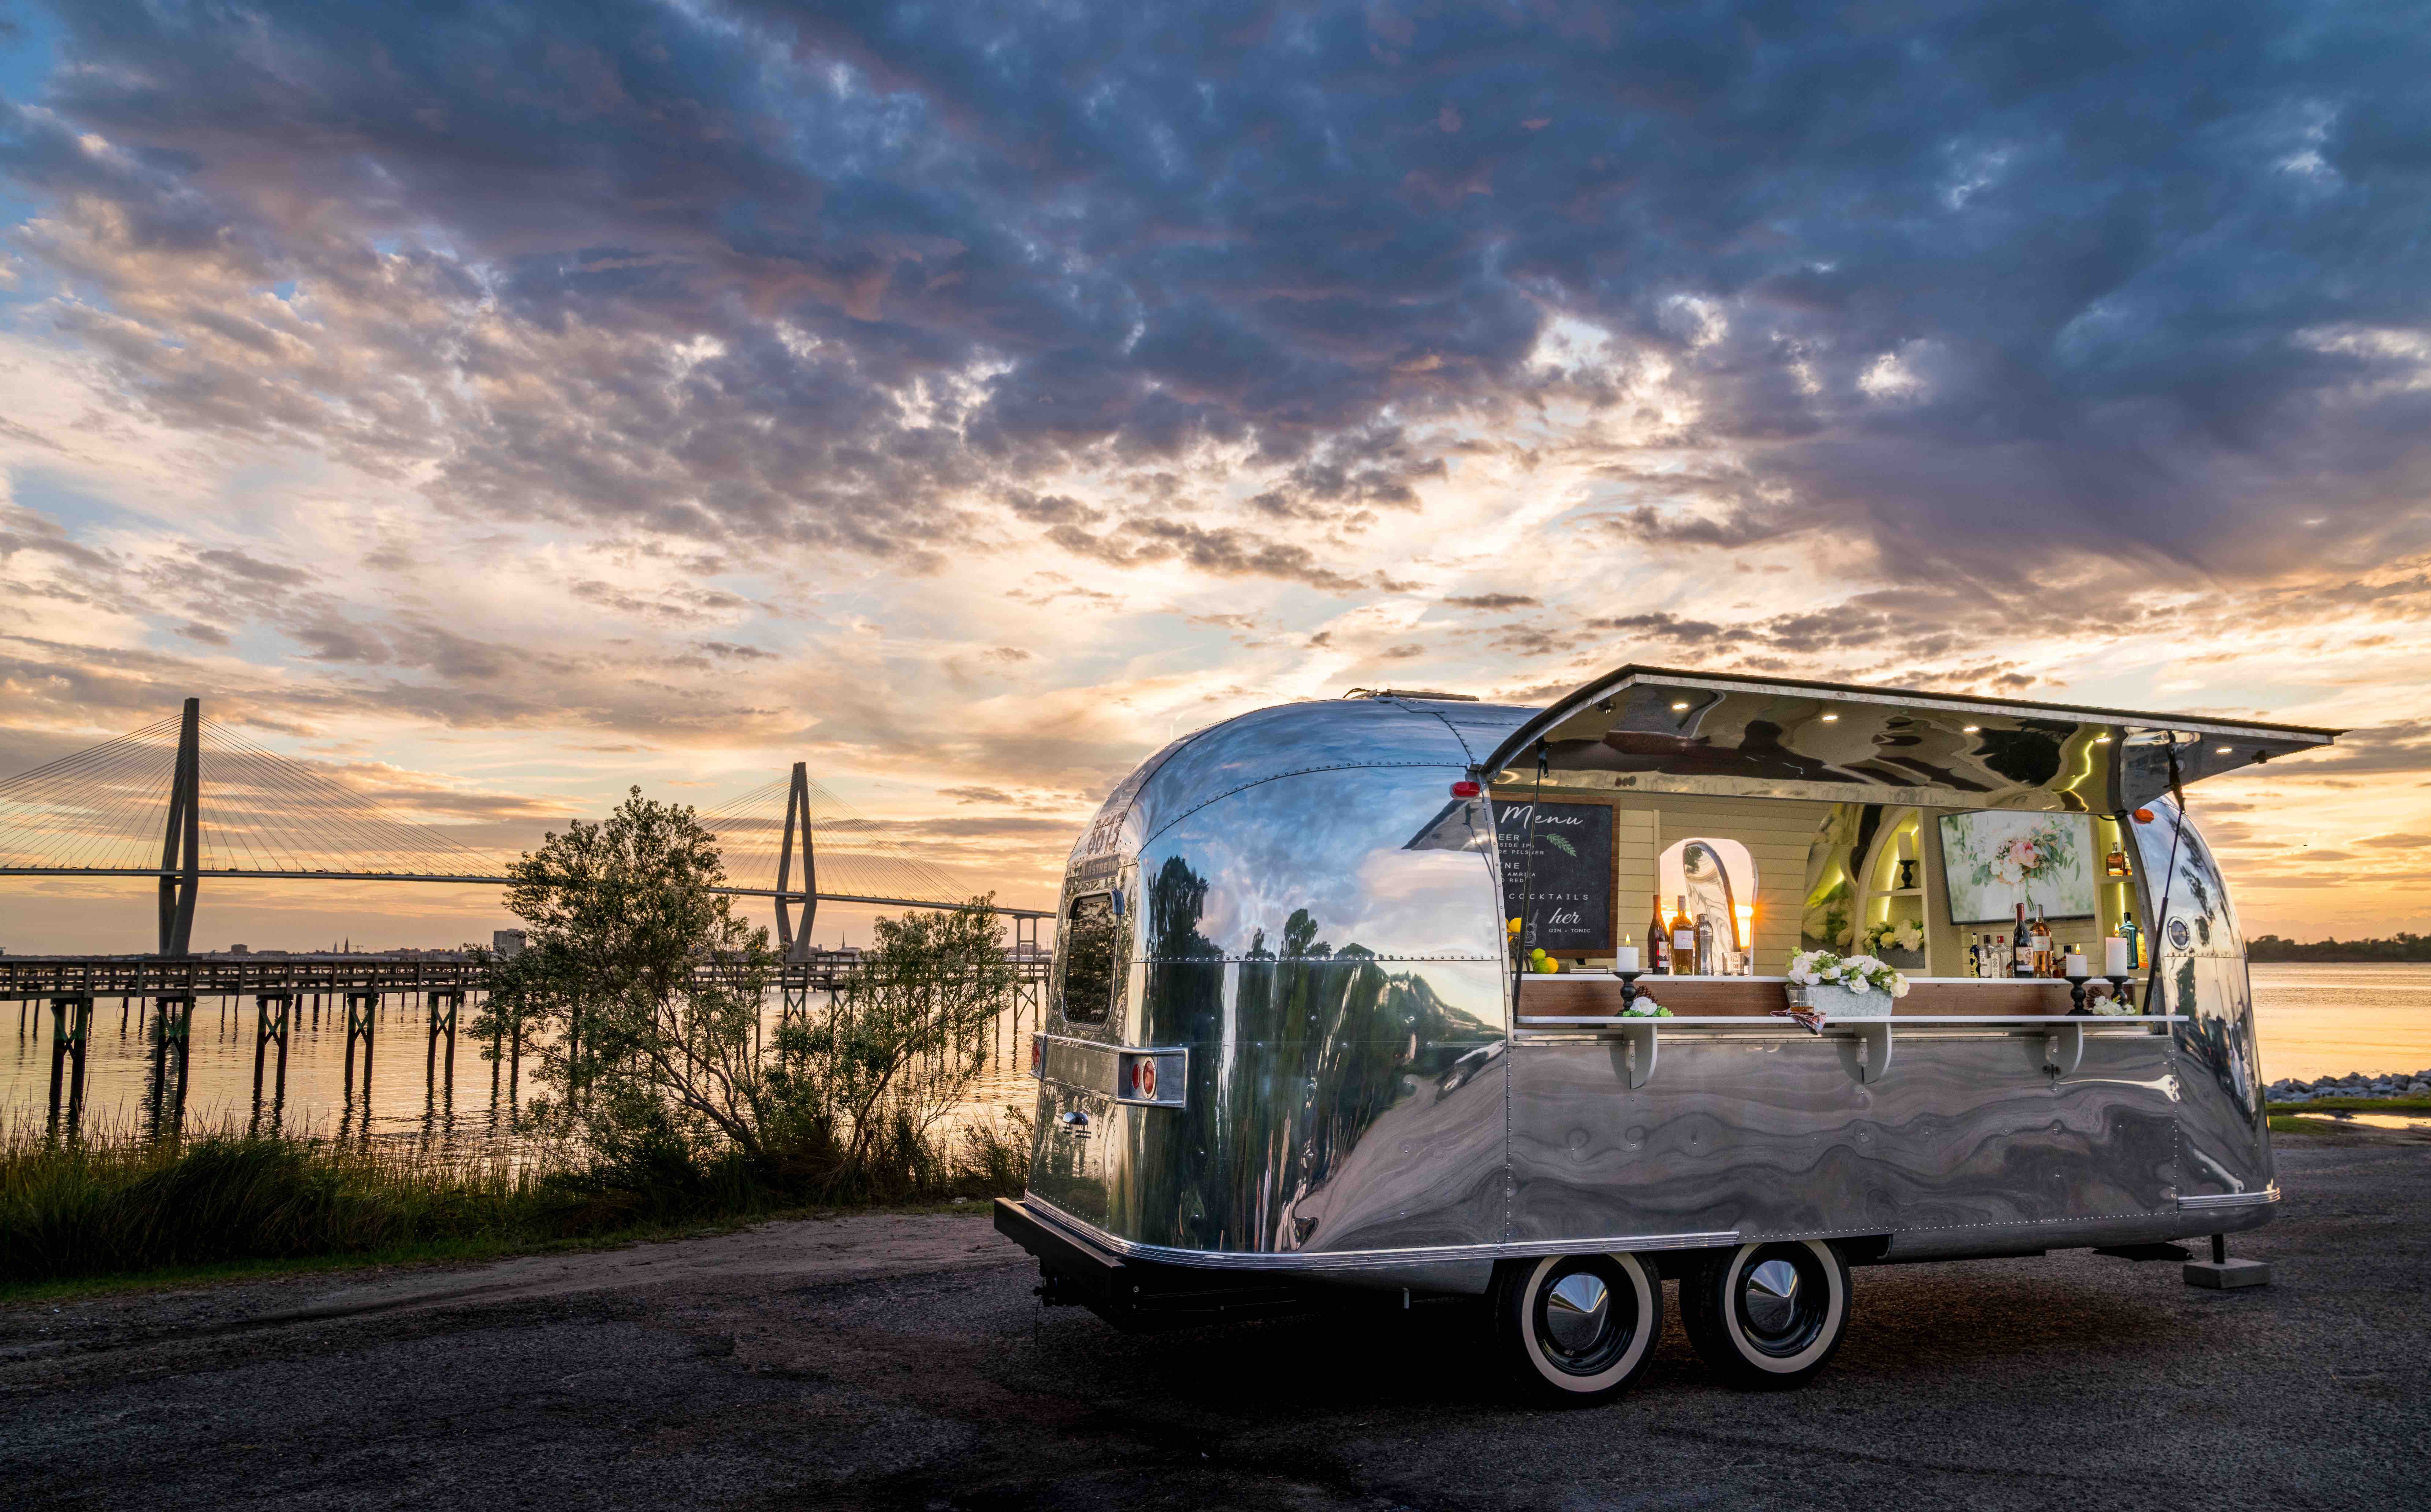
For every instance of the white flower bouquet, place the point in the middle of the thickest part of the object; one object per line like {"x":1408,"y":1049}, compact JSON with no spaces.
{"x":1847,"y":985}
{"x":1642,"y":1006}
{"x":1907,"y":935}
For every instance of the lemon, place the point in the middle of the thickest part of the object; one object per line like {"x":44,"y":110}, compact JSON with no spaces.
{"x":1536,"y":954}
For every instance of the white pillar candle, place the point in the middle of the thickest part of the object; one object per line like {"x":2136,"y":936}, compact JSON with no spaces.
{"x":2114,"y":957}
{"x":1624,"y":958}
{"x":2076,"y":964}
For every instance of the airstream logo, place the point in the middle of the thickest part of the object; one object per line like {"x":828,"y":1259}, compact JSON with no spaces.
{"x":2178,"y":933}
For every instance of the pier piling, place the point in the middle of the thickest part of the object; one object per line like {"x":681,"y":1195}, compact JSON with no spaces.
{"x":173,"y":1032}
{"x":272,"y":1015}
{"x":362,"y":1022}
{"x":70,"y":1024}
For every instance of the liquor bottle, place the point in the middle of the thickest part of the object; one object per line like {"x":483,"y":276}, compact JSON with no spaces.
{"x":2135,"y":940}
{"x":1708,"y":962}
{"x":2044,"y":963}
{"x":2021,"y":947}
{"x":1974,"y":955}
{"x":1659,"y":943}
{"x":1683,"y":941}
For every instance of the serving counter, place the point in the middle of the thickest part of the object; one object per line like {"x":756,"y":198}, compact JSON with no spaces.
{"x":1591,"y":996}
{"x":1557,"y":1007}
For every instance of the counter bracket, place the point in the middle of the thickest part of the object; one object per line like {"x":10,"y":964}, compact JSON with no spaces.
{"x":1638,"y":1043}
{"x":2063,"y":1047}
{"x":1873,"y":1037}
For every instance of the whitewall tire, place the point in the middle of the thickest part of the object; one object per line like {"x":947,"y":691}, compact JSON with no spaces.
{"x":1768,"y":1316}
{"x":1577,"y":1328}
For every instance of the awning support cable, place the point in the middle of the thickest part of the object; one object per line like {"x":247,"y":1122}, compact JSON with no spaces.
{"x":1528,"y":878}
{"x":2168,"y":873}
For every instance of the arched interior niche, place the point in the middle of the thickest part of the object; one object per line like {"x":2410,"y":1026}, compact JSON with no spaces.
{"x":1719,"y":880}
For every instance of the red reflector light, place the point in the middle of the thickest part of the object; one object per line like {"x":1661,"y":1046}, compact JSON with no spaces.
{"x":1464,"y":789}
{"x":1144,"y":1077}
{"x":2143,"y":816}
{"x":1037,"y":1054}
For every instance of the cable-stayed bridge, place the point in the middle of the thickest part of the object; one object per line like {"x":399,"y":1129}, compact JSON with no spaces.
{"x":187,"y":798}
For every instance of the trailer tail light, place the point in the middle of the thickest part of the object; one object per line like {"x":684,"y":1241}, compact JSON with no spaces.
{"x":1465,"y":789}
{"x":1151,"y":1078}
{"x":1038,"y":1055}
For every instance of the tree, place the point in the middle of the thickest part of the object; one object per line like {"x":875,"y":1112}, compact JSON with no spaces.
{"x":651,"y":983}
{"x":651,"y":992}
{"x":910,"y":1033}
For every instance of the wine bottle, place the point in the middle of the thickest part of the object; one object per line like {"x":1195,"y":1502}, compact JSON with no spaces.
{"x":2022,"y":946}
{"x":2045,"y":965}
{"x":1659,"y":943}
{"x":1683,"y":941}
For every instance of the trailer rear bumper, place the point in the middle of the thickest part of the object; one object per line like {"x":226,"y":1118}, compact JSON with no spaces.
{"x":1076,"y":1270}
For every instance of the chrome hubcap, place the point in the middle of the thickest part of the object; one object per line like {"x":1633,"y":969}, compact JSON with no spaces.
{"x":1575,"y":1312}
{"x":1771,"y":1297}
{"x":1584,"y":1316}
{"x":1783,"y":1302}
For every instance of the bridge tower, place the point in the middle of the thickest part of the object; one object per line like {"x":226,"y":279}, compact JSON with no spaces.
{"x":797,"y":812}
{"x":181,"y":851}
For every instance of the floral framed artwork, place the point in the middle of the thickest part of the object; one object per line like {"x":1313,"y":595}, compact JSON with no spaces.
{"x":1995,"y":860}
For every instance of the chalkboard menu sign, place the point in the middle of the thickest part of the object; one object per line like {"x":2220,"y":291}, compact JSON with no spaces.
{"x":1570,"y":895}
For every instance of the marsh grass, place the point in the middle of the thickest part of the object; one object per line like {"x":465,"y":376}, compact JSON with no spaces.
{"x":2354,"y":1105}
{"x":114,"y":1202}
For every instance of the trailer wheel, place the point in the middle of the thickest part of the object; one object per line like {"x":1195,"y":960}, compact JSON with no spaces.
{"x":1768,"y":1316}
{"x":1577,"y":1328}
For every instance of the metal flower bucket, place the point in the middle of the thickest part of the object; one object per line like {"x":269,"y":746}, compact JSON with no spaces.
{"x":1837,"y":1002}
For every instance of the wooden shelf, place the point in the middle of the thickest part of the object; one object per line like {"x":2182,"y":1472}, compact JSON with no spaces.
{"x":2063,"y":1039}
{"x":1758,"y":996}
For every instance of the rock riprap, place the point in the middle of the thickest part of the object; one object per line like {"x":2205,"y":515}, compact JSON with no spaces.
{"x":2354,"y":1084}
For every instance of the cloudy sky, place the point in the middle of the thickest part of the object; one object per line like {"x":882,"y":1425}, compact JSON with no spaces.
{"x":504,"y":404}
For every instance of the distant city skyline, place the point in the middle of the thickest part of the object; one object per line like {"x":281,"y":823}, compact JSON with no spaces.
{"x":508,"y":406}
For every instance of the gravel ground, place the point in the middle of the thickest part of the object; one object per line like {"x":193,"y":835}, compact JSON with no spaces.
{"x":902,"y":1362}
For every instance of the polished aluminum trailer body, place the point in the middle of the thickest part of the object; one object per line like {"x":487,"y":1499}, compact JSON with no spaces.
{"x":1311,"y":940}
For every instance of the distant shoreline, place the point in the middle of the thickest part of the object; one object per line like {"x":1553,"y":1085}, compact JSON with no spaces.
{"x":2404,"y":950}
{"x":2335,"y":960}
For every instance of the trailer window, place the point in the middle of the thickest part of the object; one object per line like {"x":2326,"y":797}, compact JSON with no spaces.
{"x":1093,"y":951}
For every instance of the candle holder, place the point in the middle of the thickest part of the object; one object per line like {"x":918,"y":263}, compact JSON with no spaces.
{"x":1906,"y":875}
{"x":2118,"y":988}
{"x":1628,"y":987}
{"x":2076,"y":995}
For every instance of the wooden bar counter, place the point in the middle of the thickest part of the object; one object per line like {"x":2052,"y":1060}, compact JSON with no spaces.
{"x":1756,"y":997}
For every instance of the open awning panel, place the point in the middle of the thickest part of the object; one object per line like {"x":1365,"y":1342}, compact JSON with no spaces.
{"x":1658,"y":729}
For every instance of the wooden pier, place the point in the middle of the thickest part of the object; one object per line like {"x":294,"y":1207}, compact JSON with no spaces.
{"x":162,"y":993}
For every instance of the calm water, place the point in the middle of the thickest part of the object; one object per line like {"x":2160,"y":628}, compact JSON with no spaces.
{"x":2327,"y":1020}
{"x":2315,"y":1021}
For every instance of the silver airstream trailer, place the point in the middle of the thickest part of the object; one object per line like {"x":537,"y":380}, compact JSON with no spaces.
{"x":1290,"y":1048}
